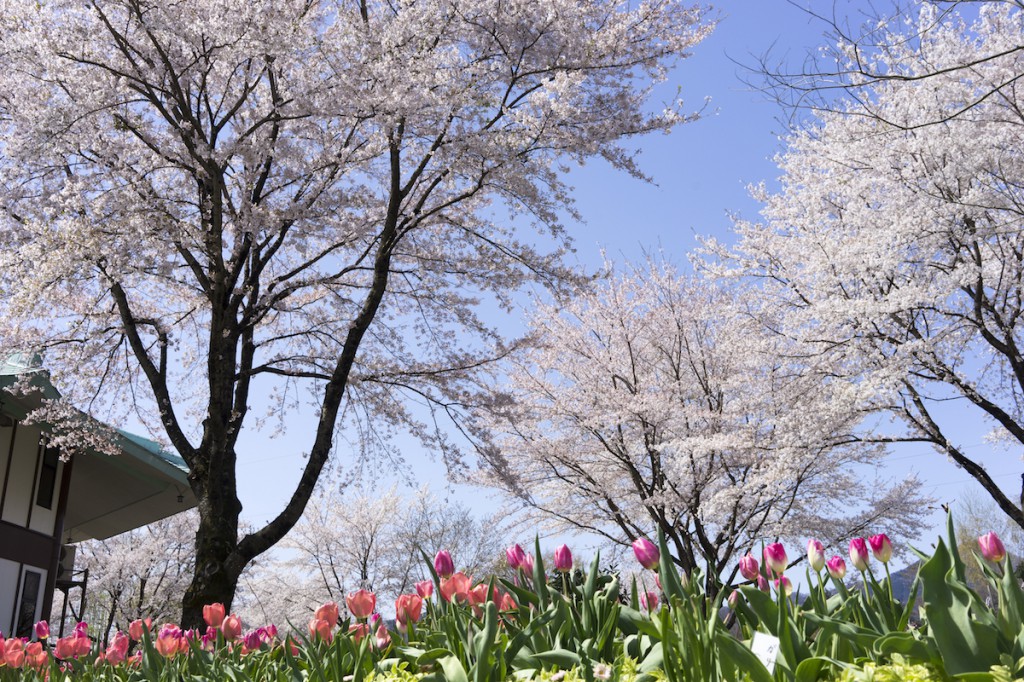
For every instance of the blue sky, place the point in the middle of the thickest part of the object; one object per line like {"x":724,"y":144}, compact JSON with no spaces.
{"x":701,"y":172}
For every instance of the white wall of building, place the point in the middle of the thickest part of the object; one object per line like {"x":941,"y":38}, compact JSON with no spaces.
{"x":23,"y":471}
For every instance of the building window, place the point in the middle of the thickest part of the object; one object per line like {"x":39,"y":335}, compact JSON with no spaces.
{"x":31,"y":584}
{"x":47,"y":478}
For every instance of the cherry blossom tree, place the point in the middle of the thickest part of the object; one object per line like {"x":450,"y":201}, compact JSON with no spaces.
{"x":363,"y":539}
{"x":894,"y":247}
{"x":658,"y":402}
{"x":139,"y":574}
{"x":208,"y":202}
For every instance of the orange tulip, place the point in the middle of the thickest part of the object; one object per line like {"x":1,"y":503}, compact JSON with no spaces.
{"x":361,"y":603}
{"x":213,"y":614}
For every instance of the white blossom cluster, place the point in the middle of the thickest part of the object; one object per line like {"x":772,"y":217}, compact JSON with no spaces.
{"x":660,"y":401}
{"x":895,"y":244}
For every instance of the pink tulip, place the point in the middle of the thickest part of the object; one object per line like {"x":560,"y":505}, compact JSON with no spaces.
{"x":749,"y":568}
{"x":881,"y":547}
{"x":328,"y":612}
{"x":321,"y":629}
{"x":136,"y":628}
{"x":733,"y":599}
{"x":775,"y":558}
{"x":14,"y":652}
{"x":425,"y":589}
{"x":443,"y":564}
{"x":836,"y":567}
{"x":357,"y":631}
{"x":456,"y":587}
{"x":647,"y":553}
{"x":36,"y":656}
{"x":361,"y":603}
{"x":784,"y":586}
{"x":992,"y":547}
{"x":762,"y":583}
{"x":213,"y":614}
{"x":65,"y":649}
{"x":42,"y":630}
{"x":408,"y":608}
{"x":649,"y":600}
{"x":507,"y":603}
{"x":231,"y":627}
{"x":859,"y":554}
{"x":515,"y":556}
{"x":527,"y":564}
{"x":383,"y":638}
{"x":815,"y":555}
{"x":168,"y":640}
{"x":563,"y":559}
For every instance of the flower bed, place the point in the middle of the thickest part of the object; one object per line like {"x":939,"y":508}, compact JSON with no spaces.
{"x":548,"y":628}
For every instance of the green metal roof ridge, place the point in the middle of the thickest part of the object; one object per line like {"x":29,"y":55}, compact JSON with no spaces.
{"x":151,"y":448}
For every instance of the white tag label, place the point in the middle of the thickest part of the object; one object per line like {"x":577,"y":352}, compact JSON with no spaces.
{"x":766,"y":648}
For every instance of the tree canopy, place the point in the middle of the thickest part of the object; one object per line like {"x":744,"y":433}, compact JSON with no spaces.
{"x":894,"y":246}
{"x":208,"y":202}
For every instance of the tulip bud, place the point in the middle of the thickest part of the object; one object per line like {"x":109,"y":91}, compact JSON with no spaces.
{"x":425,"y":589}
{"x":443,"y":564}
{"x":42,"y":630}
{"x":815,"y":555}
{"x":859,"y":554}
{"x":213,"y":614}
{"x":527,"y":564}
{"x":836,"y":567}
{"x":361,"y":603}
{"x":881,"y":547}
{"x":992,"y":547}
{"x":749,"y":568}
{"x":649,"y":600}
{"x":647,"y":553}
{"x":563,"y":559}
{"x":762,"y":583}
{"x":784,"y":586}
{"x":734,"y":598}
{"x":515,"y":556}
{"x":775,"y":558}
